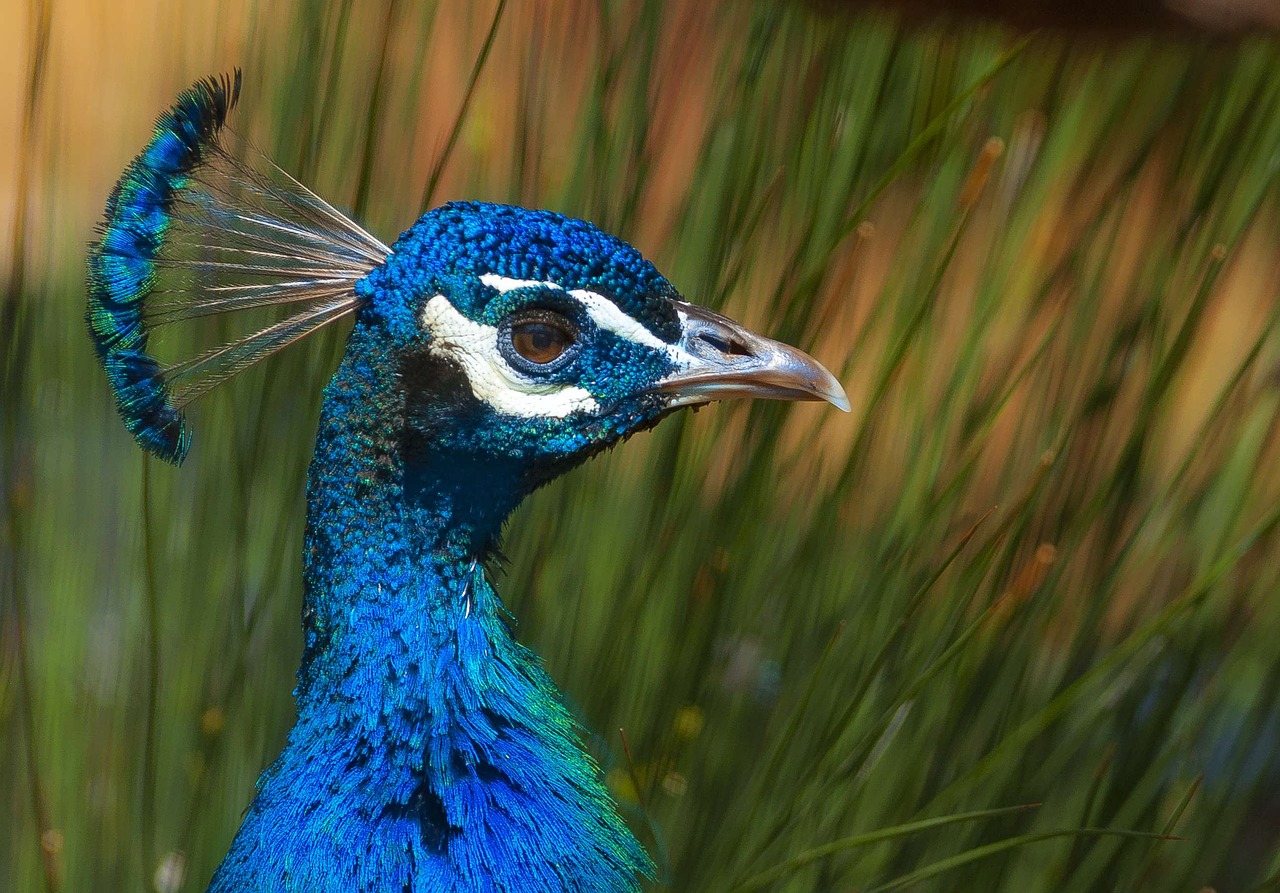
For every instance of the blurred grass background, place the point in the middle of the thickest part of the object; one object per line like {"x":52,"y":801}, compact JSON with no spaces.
{"x":1033,"y":568}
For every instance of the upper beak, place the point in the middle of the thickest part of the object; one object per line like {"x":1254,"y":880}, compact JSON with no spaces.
{"x":721,"y":359}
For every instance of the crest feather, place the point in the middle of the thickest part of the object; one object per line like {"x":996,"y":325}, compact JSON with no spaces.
{"x":192,"y":230}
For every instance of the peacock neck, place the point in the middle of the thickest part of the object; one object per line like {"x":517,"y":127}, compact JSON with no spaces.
{"x":394,"y":552}
{"x":431,"y":750}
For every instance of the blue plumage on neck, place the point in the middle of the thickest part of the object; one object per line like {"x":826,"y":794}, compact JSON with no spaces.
{"x":432,"y":752}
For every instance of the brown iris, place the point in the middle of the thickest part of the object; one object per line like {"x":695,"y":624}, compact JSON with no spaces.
{"x":540,"y":341}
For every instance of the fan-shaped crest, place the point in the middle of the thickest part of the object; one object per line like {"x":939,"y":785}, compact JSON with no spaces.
{"x":192,"y":230}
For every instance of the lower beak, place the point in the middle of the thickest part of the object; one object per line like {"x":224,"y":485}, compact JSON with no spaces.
{"x":721,"y":360}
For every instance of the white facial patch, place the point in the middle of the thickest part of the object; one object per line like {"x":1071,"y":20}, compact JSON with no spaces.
{"x":474,"y":346}
{"x":505,"y":284}
{"x":603,"y":312}
{"x":608,"y":316}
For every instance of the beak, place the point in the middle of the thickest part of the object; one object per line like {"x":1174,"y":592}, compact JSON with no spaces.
{"x":720,"y":359}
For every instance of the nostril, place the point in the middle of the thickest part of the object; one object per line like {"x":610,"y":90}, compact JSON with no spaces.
{"x":728,"y":346}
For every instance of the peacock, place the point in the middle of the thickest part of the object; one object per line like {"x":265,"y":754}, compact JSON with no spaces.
{"x":492,"y":349}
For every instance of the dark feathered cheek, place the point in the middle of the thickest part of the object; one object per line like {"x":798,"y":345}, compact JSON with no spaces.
{"x":500,"y":305}
{"x":615,"y":369}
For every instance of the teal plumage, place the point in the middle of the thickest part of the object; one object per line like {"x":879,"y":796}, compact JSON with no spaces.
{"x":122,"y":264}
{"x":493,"y":349}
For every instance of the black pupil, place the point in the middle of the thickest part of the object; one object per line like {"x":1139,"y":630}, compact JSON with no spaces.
{"x":542,"y":337}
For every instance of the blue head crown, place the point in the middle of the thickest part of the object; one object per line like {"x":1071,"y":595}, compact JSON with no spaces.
{"x":535,"y":336}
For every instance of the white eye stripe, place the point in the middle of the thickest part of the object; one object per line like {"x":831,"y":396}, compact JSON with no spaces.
{"x":608,"y":316}
{"x":603,"y":312}
{"x":474,"y":346}
{"x":505,"y":284}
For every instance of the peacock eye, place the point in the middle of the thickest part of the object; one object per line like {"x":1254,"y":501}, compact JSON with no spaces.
{"x":540,"y":338}
{"x":539,"y":342}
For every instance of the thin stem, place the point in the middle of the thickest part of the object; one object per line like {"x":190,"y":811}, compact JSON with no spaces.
{"x":375,"y":115}
{"x":16,"y":499}
{"x":438,"y":170}
{"x":148,"y":851}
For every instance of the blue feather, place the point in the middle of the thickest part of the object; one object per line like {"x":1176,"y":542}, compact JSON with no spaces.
{"x":144,"y":404}
{"x":122,"y":265}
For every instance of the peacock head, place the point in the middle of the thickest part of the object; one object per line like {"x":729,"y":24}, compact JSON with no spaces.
{"x":530,"y":337}
{"x":513,"y":336}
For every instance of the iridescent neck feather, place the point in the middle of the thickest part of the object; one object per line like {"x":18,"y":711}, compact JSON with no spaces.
{"x":434,"y":741}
